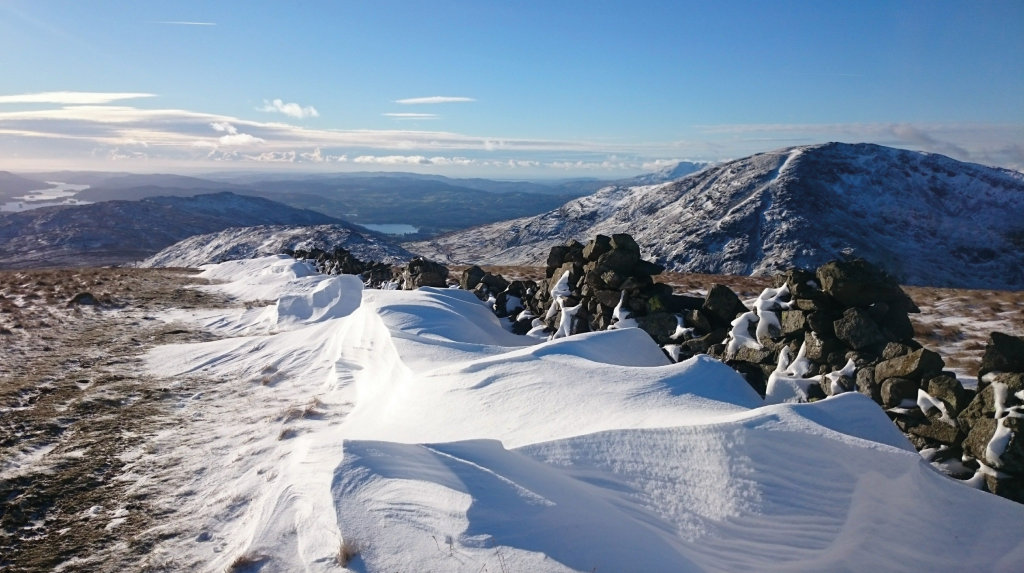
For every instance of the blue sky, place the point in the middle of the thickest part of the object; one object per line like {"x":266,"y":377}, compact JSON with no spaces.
{"x":547,"y":89}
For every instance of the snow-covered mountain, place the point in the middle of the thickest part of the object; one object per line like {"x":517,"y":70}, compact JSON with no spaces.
{"x":926,"y":218}
{"x":252,"y":242}
{"x":666,"y":174}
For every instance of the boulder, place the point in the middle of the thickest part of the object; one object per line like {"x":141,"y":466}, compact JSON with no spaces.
{"x":859,"y":283}
{"x":1003,"y":353}
{"x":1010,"y":487}
{"x":857,"y":330}
{"x":721,"y":305}
{"x":83,"y":298}
{"x":894,"y":350}
{"x":495,"y":282}
{"x":933,"y":428}
{"x":821,"y":323}
{"x":948,"y":390}
{"x":1012,"y":459}
{"x":801,"y":283}
{"x":421,"y":272}
{"x":620,"y":261}
{"x":895,"y":390}
{"x":556,"y":256}
{"x":660,"y":325}
{"x":866,"y":384}
{"x":756,"y":356}
{"x":794,"y":322}
{"x":647,"y":268}
{"x":698,"y":321}
{"x":914,"y":366}
{"x":471,"y":277}
{"x":625,"y":242}
{"x":818,"y":348}
{"x":703,"y":344}
{"x":596,"y":247}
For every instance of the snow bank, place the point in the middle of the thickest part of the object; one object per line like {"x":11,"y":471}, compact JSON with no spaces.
{"x":414,"y":430}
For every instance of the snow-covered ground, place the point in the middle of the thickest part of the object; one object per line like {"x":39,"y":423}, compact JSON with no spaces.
{"x":408,"y":431}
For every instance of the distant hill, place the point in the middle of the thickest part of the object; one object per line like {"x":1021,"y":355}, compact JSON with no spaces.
{"x":251,"y":242}
{"x":12,"y":185}
{"x":926,"y":218}
{"x":116,"y":232}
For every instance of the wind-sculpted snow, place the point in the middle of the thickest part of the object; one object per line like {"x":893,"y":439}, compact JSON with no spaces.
{"x":927,"y":219}
{"x":411,"y":432}
{"x":252,"y":242}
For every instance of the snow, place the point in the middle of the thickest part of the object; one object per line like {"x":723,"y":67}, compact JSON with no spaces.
{"x":739,"y":336}
{"x":787,"y":383}
{"x":414,"y":428}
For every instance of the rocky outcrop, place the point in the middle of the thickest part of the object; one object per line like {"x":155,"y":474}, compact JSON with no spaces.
{"x":339,"y":261}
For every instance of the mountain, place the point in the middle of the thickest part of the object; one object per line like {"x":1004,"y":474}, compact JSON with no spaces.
{"x":251,"y":242}
{"x":665,"y":174}
{"x":925,"y":218}
{"x":115,"y":232}
{"x":12,"y":185}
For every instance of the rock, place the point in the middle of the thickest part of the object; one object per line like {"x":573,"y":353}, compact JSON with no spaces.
{"x":660,"y":325}
{"x":936,"y":429}
{"x":915,"y":365}
{"x":698,"y":321}
{"x":895,"y":390}
{"x":1010,"y":487}
{"x":758,"y":356}
{"x":983,"y":404}
{"x":846,"y":384}
{"x":897,"y":324}
{"x":794,"y":322}
{"x":556,"y":256}
{"x":866,"y":384}
{"x":801,"y":283}
{"x":625,"y":242}
{"x":859,"y":283}
{"x":612,"y":278}
{"x":895,"y":349}
{"x":635,"y":283}
{"x":596,"y":247}
{"x":1012,"y":458}
{"x":1004,"y":353}
{"x":83,"y":298}
{"x":619,"y":260}
{"x":721,"y":305}
{"x":703,"y":344}
{"x":857,"y":330}
{"x":817,"y":348}
{"x":683,"y":303}
{"x":752,"y":373}
{"x":421,"y":272}
{"x":647,"y":268}
{"x":819,"y":303}
{"x":821,"y":323}
{"x":495,"y":282}
{"x":609,"y":298}
{"x":949,"y":390}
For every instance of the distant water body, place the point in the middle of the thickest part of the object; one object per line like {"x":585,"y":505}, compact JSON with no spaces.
{"x":392,"y":229}
{"x":62,"y":194}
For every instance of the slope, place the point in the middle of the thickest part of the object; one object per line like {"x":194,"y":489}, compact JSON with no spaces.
{"x":116,"y":232}
{"x":926,"y":218}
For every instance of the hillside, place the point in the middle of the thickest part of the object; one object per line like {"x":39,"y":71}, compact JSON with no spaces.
{"x":116,"y":232}
{"x":252,"y":242}
{"x":926,"y":218}
{"x":12,"y":185}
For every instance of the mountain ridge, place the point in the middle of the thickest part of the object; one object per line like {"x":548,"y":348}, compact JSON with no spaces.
{"x":927,"y":219}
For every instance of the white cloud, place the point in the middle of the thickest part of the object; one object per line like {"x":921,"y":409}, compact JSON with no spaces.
{"x":233,"y":136}
{"x":290,"y":109}
{"x":433,"y":99}
{"x":412,"y":115}
{"x":72,"y":98}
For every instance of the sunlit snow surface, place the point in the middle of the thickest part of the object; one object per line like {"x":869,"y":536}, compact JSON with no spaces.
{"x":412,"y":428}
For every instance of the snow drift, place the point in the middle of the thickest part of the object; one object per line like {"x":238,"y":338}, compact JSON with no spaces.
{"x":411,"y":432}
{"x":925,"y":218}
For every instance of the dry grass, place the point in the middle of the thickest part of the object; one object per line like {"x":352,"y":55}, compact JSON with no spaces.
{"x":246,"y":562}
{"x":347,"y":551}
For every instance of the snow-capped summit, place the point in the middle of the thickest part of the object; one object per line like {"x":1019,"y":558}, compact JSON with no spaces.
{"x":925,"y":218}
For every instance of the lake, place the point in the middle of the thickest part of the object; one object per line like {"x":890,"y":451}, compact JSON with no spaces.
{"x":392,"y":228}
{"x":62,"y":194}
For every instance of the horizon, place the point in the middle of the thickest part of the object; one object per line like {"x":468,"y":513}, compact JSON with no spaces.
{"x":529,"y":92}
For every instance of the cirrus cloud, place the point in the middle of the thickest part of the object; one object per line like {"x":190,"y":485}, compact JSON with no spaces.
{"x":433,"y":100}
{"x":72,"y":98}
